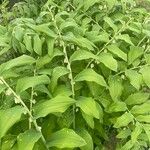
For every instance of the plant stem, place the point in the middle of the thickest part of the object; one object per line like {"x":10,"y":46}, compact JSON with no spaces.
{"x":26,"y":108}
{"x":68,"y":63}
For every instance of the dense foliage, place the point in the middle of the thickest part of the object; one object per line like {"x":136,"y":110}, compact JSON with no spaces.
{"x":74,"y":74}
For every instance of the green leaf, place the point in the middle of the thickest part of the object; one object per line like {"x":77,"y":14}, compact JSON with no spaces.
{"x":135,"y":78}
{"x":43,"y":28}
{"x":123,"y":120}
{"x":18,"y":33}
{"x":81,"y":55}
{"x":116,"y":107}
{"x":128,"y":146}
{"x":56,"y":74}
{"x":134,"y":53}
{"x":28,"y":82}
{"x":58,"y":104}
{"x":147,"y":131}
{"x":86,"y":103}
{"x":50,"y":45}
{"x":28,"y":42}
{"x":2,"y":87}
{"x":147,"y":57}
{"x":136,"y":132}
{"x":145,"y":71}
{"x":9,"y":117}
{"x":37,"y":44}
{"x":137,"y":98}
{"x":19,"y":61}
{"x":109,"y":21}
{"x":125,"y":37}
{"x":65,"y":138}
{"x":141,"y":109}
{"x":91,"y":76}
{"x":123,"y":134}
{"x":88,"y":3}
{"x":143,"y":118}
{"x":89,"y":120}
{"x":108,"y":60}
{"x":27,"y":139}
{"x":117,"y":51}
{"x":115,"y":83}
{"x":88,"y":139}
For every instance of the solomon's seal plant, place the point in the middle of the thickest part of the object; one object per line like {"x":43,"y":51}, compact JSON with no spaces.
{"x":74,"y":74}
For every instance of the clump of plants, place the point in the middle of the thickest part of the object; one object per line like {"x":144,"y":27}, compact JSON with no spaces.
{"x":74,"y":74}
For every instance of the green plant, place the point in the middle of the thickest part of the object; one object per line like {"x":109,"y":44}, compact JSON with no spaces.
{"x":78,"y":77}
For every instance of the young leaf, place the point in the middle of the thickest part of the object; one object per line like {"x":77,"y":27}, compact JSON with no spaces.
{"x":28,"y":82}
{"x":134,"y":77}
{"x":9,"y":117}
{"x":136,"y":132}
{"x":143,"y":118}
{"x":28,"y":42}
{"x":81,"y":55}
{"x":65,"y":138}
{"x":134,"y":53}
{"x":37,"y":44}
{"x":56,"y":74}
{"x":123,"y":120}
{"x":115,"y":83}
{"x":116,"y":107}
{"x":117,"y":51}
{"x":86,"y":103}
{"x":90,"y":75}
{"x":19,"y":61}
{"x":58,"y":104}
{"x":108,"y":60}
{"x":141,"y":109}
{"x":88,"y":139}
{"x":27,"y":139}
{"x":125,"y":37}
{"x":145,"y":71}
{"x":137,"y":98}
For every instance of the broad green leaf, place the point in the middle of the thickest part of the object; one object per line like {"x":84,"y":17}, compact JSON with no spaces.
{"x":50,"y":45}
{"x":86,"y":103}
{"x":115,"y":83}
{"x":110,"y":3}
{"x":123,"y":120}
{"x":18,"y":33}
{"x":117,"y":51}
{"x":137,"y":98}
{"x":59,"y":103}
{"x":109,"y":21}
{"x":62,"y":90}
{"x":89,"y":120}
{"x":9,"y":117}
{"x":28,"y":42}
{"x":147,"y":131}
{"x":141,"y":109}
{"x":108,"y":60}
{"x":116,"y":107}
{"x":56,"y":74}
{"x":136,"y":132}
{"x":19,"y":61}
{"x":145,"y":71}
{"x":88,"y":139}
{"x":147,"y":57}
{"x":128,"y":146}
{"x":2,"y":87}
{"x":134,"y":53}
{"x":90,"y":75}
{"x":143,"y":118}
{"x":43,"y":28}
{"x":123,"y":134}
{"x":28,"y":82}
{"x":81,"y":55}
{"x":89,"y":3}
{"x":37,"y":44}
{"x":65,"y":138}
{"x":27,"y":139}
{"x":125,"y":37}
{"x":135,"y":78}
